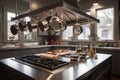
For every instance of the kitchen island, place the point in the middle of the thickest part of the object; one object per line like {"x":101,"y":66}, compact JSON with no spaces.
{"x":91,"y":69}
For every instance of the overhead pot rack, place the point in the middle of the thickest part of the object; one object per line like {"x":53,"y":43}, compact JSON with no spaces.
{"x":42,"y":5}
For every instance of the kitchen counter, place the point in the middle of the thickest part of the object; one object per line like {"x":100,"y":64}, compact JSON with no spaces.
{"x":7,"y":52}
{"x":79,"y":71}
{"x":43,"y":46}
{"x":22,"y":47}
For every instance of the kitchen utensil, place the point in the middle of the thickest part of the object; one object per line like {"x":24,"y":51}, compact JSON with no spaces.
{"x":43,"y":25}
{"x":40,"y":25}
{"x":31,"y":26}
{"x":55,"y":23}
{"x":77,"y":29}
{"x":63,"y":25}
{"x":14,"y":29}
{"x":22,"y":26}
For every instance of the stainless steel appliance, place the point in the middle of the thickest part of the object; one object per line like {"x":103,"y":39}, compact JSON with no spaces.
{"x":47,"y":63}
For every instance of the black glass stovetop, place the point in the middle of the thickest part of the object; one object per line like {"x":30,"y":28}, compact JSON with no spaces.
{"x":43,"y":62}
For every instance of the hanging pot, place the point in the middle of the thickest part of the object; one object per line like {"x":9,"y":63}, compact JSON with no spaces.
{"x":14,"y":29}
{"x":55,"y":23}
{"x":43,"y":25}
{"x":22,"y":26}
{"x":63,"y":25}
{"x":40,"y":25}
{"x":29,"y":26}
{"x":77,"y":29}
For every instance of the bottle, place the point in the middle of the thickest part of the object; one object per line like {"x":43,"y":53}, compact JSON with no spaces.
{"x":91,"y":51}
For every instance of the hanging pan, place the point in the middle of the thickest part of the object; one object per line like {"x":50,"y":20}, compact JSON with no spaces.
{"x":43,"y":24}
{"x":13,"y":29}
{"x":22,"y":26}
{"x":31,"y":26}
{"x":54,"y":22}
{"x":77,"y":28}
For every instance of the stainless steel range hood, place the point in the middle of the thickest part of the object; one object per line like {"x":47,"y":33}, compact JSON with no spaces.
{"x":38,"y":6}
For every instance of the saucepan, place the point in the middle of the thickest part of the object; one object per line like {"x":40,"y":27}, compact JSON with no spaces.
{"x":22,"y":26}
{"x":77,"y":29}
{"x":31,"y":26}
{"x":55,"y":23}
{"x":43,"y":25}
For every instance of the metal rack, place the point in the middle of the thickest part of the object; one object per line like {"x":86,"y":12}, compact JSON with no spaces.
{"x":66,"y":4}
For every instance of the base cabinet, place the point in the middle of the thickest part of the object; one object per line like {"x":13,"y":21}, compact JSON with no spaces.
{"x":8,"y":73}
{"x":102,"y":72}
{"x":115,"y":59}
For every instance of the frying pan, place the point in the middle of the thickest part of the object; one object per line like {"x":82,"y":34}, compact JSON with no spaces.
{"x":77,"y":29}
{"x":14,"y":29}
{"x":44,"y":24}
{"x":40,"y":25}
{"x":22,"y":26}
{"x":29,"y":26}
